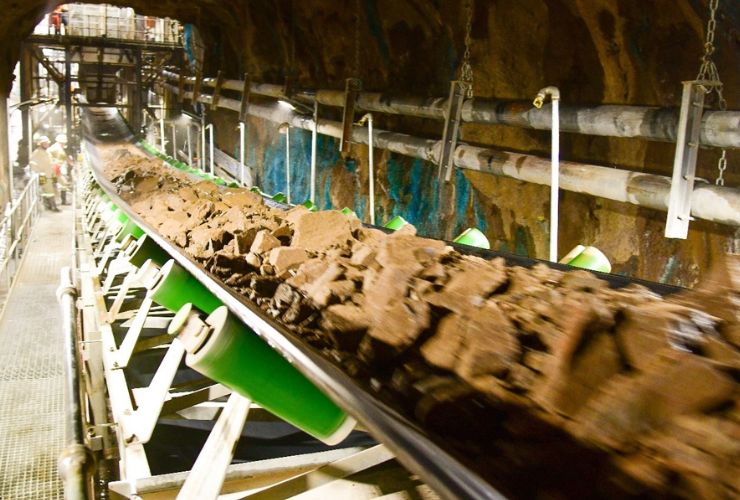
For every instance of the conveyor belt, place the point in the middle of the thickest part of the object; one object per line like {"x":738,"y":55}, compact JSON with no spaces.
{"x":413,"y":446}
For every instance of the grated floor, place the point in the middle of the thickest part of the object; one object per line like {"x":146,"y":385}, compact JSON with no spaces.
{"x":31,"y":366}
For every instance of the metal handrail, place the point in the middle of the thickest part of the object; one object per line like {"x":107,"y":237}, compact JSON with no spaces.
{"x":114,"y":26}
{"x":15,"y":227}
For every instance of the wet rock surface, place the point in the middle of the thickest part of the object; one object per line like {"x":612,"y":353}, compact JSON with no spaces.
{"x":547,"y":383}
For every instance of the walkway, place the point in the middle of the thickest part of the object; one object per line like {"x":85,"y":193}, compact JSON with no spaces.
{"x":31,"y":366}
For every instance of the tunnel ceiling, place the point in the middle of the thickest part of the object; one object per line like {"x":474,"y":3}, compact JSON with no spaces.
{"x":597,"y":50}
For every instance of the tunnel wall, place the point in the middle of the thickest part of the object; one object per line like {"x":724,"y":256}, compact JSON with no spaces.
{"x":622,"y":52}
{"x":596,"y":51}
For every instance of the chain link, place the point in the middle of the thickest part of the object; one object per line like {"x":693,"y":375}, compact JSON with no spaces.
{"x":466,"y":70}
{"x":722,"y":166}
{"x":708,"y":72}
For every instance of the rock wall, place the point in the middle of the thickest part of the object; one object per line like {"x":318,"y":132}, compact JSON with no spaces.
{"x":602,"y":51}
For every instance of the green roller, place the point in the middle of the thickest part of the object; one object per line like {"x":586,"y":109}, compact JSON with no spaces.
{"x":396,"y":223}
{"x":280,"y":198}
{"x":120,"y":216}
{"x":129,"y":228}
{"x":473,"y":237}
{"x":255,"y":189}
{"x":175,"y":287}
{"x":311,"y":206}
{"x":146,"y":249}
{"x":230,"y":353}
{"x":219,"y":181}
{"x":233,"y":184}
{"x":593,"y":259}
{"x":348,"y":211}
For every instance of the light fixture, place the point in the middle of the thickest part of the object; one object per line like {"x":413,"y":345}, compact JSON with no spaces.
{"x":286,"y":104}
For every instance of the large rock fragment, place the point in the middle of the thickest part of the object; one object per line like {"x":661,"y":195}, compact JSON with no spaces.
{"x":264,"y":242}
{"x":675,"y":384}
{"x":318,"y":231}
{"x":473,"y":282}
{"x":286,"y":258}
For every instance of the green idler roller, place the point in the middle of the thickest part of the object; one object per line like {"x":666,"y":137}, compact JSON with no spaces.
{"x":175,"y":287}
{"x":587,"y":258}
{"x":129,"y":228}
{"x":311,"y":206}
{"x":228,"y":352}
{"x":473,"y":237}
{"x":146,"y":249}
{"x":280,"y":198}
{"x":348,"y":211}
{"x":396,"y":223}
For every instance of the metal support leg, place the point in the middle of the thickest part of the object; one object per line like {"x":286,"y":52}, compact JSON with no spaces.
{"x":140,"y":424}
{"x":208,"y":472}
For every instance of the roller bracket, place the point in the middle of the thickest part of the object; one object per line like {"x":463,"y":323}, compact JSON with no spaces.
{"x":351,"y":91}
{"x":688,"y":135}
{"x":452,"y":128}
{"x":217,"y":90}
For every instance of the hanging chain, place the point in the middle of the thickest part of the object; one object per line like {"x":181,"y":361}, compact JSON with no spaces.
{"x":466,"y":71}
{"x":356,"y":61}
{"x":708,"y":72}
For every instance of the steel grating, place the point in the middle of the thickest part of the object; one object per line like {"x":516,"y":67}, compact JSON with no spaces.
{"x":31,"y":366}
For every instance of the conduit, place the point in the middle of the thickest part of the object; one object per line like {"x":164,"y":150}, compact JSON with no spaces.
{"x":710,"y":202}
{"x":719,"y":128}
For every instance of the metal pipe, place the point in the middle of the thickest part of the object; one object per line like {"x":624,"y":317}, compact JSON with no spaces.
{"x":73,"y":459}
{"x":713,"y":203}
{"x":242,"y":138}
{"x":371,"y":165}
{"x":719,"y":128}
{"x":554,"y":94}
{"x":314,"y":138}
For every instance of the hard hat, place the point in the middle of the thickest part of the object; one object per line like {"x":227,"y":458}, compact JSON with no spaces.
{"x":42,"y":138}
{"x":61,"y":138}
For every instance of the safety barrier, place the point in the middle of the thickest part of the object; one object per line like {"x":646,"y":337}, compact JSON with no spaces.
{"x":15,"y":230}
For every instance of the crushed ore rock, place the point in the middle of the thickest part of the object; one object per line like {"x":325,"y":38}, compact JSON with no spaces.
{"x":285,"y":258}
{"x":264,"y":242}
{"x":318,"y":231}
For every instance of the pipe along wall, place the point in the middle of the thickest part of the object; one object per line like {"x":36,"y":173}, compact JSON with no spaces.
{"x":411,"y":189}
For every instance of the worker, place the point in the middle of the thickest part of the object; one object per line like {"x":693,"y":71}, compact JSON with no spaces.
{"x":41,"y":163}
{"x":62,"y":165}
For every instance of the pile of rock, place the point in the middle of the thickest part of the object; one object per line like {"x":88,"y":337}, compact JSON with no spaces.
{"x":534,"y":370}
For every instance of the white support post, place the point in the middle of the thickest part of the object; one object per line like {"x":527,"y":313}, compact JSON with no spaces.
{"x":554,"y":94}
{"x":371,"y":169}
{"x":209,"y":127}
{"x":162,"y":140}
{"x":554,"y":181}
{"x":202,"y":163}
{"x":242,"y":140}
{"x":314,"y":138}
{"x":287,"y":163}
{"x":174,"y":140}
{"x":190,"y":145}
